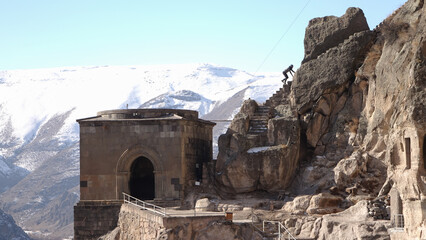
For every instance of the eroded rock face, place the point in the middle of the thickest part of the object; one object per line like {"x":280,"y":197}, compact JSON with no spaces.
{"x":228,"y":231}
{"x":331,"y":72}
{"x":9,"y":229}
{"x":240,"y":123}
{"x":395,"y":132}
{"x":366,"y":124}
{"x":298,"y":206}
{"x":327,"y":32}
{"x":267,"y":168}
{"x":359,"y":98}
{"x":258,"y":161}
{"x":353,"y":223}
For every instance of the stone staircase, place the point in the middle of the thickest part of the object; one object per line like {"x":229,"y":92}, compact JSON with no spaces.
{"x":258,"y":126}
{"x":279,"y":97}
{"x":259,"y":121}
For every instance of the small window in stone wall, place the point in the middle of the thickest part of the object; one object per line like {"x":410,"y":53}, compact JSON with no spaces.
{"x":83,"y":183}
{"x":199,"y":172}
{"x":407,"y":153}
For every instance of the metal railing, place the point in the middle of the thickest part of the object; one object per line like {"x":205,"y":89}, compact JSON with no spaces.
{"x":398,"y":221}
{"x":144,"y":205}
{"x":280,"y":225}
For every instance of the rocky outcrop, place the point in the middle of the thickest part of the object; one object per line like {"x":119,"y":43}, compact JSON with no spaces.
{"x":257,"y":159}
{"x":395,"y":112}
{"x":327,"y":32}
{"x":264,"y":168}
{"x":204,"y":204}
{"x":330,"y":73}
{"x":364,"y":122}
{"x":355,"y":117}
{"x":228,"y":231}
{"x":324,"y":203}
{"x":353,"y":223}
{"x":9,"y":229}
{"x":298,"y":206}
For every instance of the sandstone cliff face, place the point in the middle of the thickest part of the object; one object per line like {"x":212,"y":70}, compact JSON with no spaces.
{"x":395,"y":111}
{"x":353,"y":120}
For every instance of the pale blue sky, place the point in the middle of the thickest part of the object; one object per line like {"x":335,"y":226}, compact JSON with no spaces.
{"x":238,"y":34}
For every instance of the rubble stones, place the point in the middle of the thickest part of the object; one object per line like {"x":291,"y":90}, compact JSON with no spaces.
{"x":379,"y":208}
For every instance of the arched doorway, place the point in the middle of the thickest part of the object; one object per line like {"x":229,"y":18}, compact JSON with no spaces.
{"x":141,"y":182}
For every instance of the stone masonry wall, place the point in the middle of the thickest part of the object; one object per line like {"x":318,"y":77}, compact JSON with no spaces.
{"x":135,"y":223}
{"x":94,"y":219}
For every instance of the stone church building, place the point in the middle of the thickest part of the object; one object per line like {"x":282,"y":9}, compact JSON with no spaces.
{"x":151,"y":154}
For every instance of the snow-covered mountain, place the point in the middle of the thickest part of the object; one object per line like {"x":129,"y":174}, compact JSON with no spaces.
{"x":39,"y":152}
{"x":182,"y":99}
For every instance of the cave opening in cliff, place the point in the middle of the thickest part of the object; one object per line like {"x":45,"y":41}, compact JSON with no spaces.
{"x":142,"y":182}
{"x":424,"y":151}
{"x":407,"y":153}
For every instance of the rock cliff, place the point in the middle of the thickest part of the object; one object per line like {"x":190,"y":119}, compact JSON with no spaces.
{"x":351,"y":127}
{"x":9,"y":229}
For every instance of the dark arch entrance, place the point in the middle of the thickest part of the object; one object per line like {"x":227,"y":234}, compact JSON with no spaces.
{"x":141,"y":183}
{"x":424,"y":152}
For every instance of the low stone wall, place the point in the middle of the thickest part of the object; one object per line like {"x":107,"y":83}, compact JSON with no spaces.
{"x":138,"y":224}
{"x":93,"y":219}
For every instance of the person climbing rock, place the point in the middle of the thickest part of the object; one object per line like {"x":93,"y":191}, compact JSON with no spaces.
{"x":287,"y":70}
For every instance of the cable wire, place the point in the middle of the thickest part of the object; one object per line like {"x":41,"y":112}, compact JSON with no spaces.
{"x":291,"y":24}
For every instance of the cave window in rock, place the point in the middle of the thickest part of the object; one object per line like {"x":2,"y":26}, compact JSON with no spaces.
{"x":407,"y":153}
{"x":142,"y":181}
{"x":424,"y":152}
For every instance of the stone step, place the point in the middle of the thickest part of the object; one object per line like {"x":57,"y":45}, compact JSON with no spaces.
{"x":258,"y":129}
{"x":254,"y":131}
{"x":261,"y":124}
{"x":262,"y":117}
{"x":258,"y":121}
{"x":263,"y":109}
{"x":258,"y":126}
